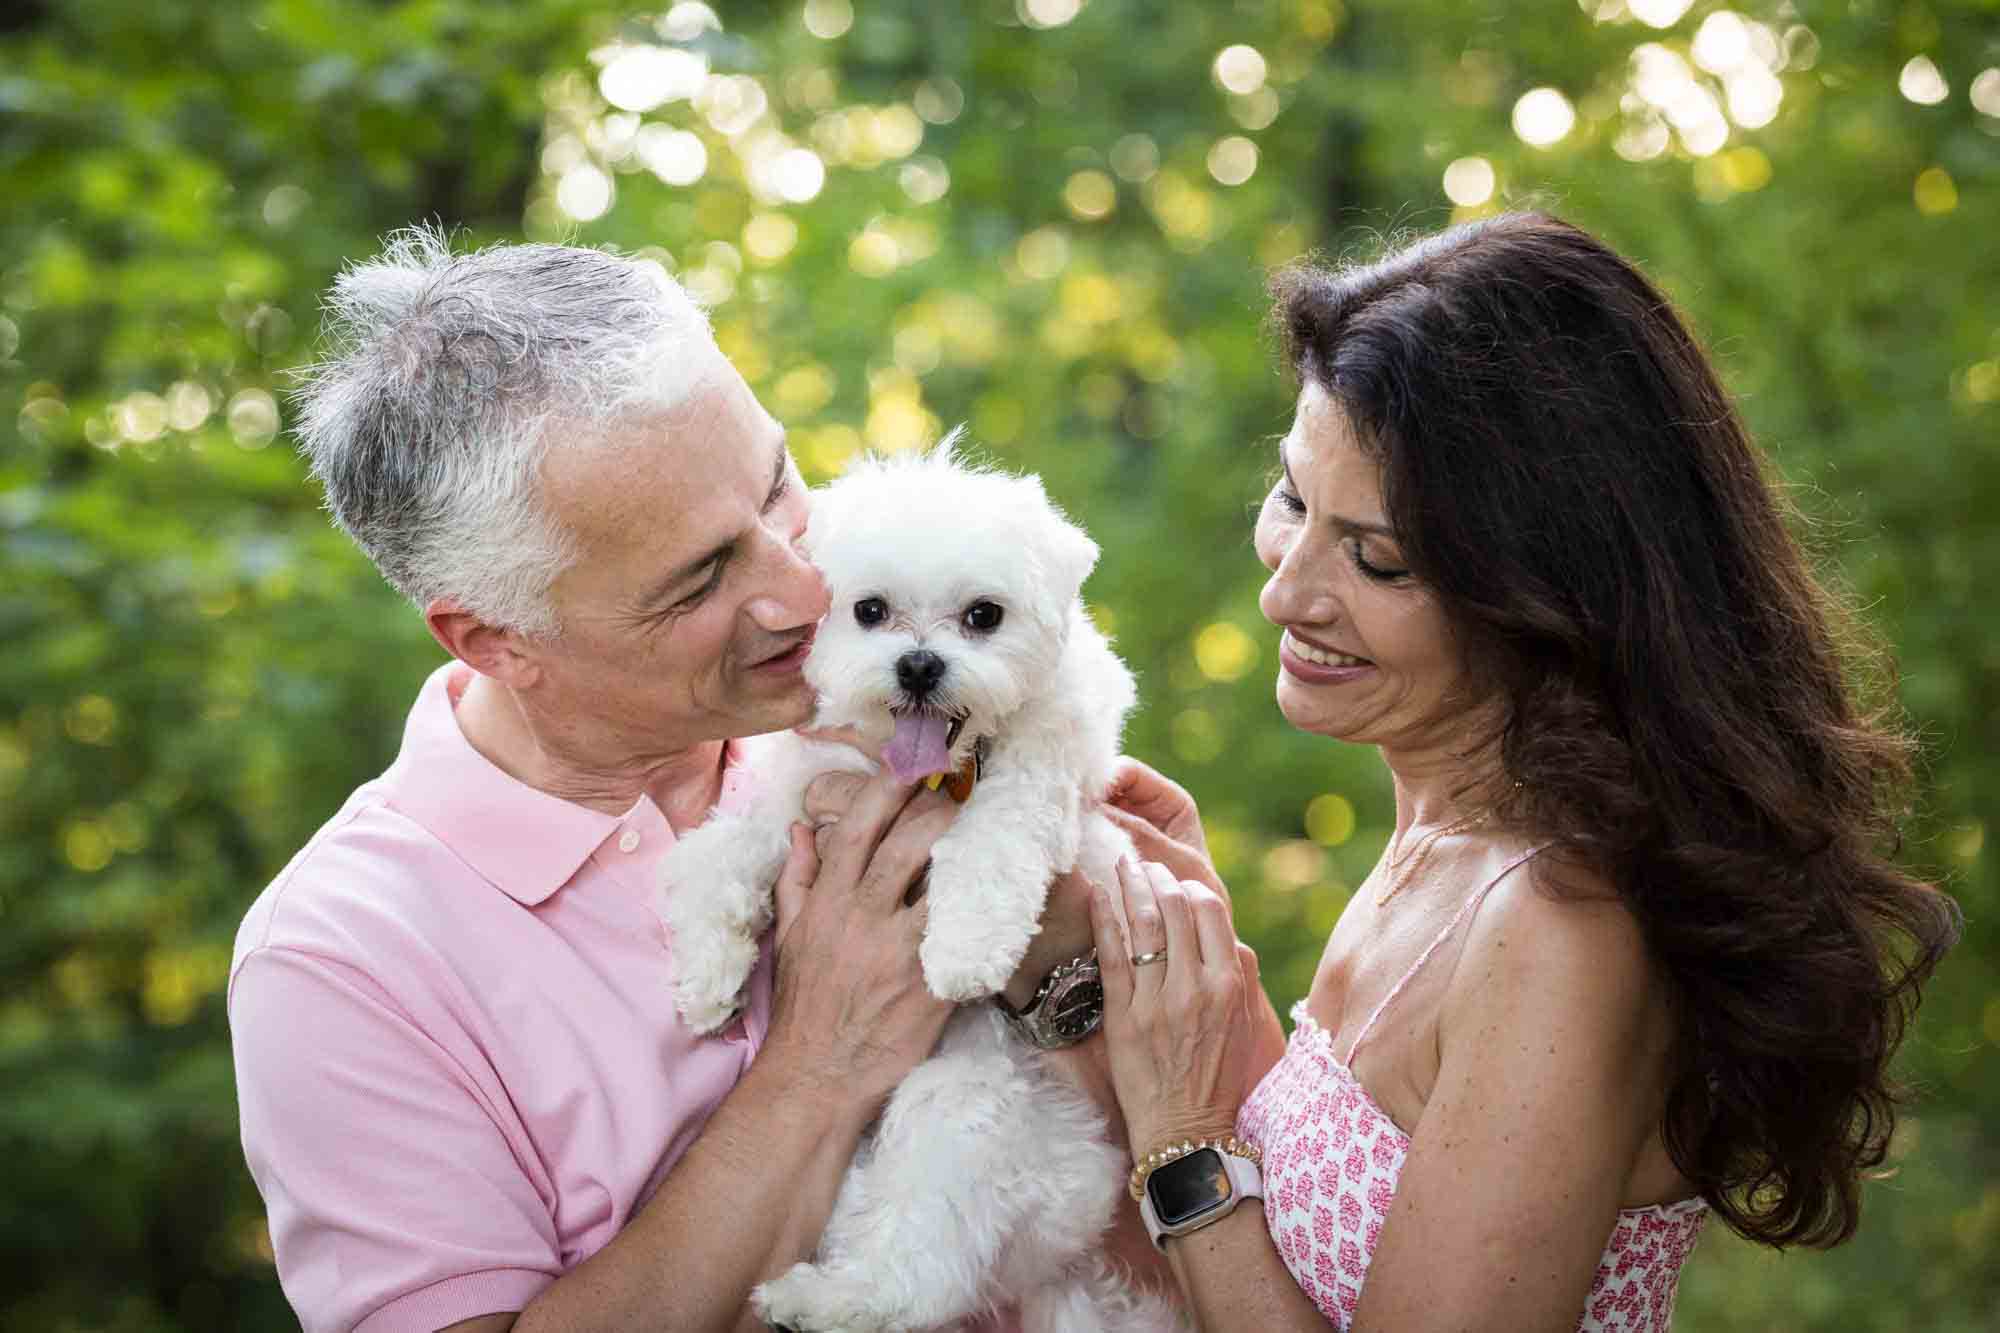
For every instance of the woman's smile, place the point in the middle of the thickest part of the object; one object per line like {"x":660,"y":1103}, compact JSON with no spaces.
{"x":1311,"y":664}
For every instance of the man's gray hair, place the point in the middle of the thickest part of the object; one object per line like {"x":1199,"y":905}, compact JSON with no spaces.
{"x":445,"y":379}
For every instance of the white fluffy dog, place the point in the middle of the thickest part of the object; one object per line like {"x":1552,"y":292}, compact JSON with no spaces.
{"x":957,"y":638}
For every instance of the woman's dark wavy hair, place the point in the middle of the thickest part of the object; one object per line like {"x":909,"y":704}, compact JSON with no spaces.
{"x":1566,"y":474}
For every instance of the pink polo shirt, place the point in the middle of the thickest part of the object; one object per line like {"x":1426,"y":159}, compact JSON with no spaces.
{"x":458,"y":1062}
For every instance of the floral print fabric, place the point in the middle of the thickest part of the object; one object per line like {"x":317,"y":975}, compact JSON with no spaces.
{"x":1331,"y":1161}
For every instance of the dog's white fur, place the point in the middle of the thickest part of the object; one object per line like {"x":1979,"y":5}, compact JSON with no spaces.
{"x":988,"y":1180}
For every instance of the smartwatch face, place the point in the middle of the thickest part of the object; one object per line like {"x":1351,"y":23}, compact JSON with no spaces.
{"x":1183,"y":1190}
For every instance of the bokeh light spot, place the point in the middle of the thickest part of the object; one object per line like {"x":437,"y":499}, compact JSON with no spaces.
{"x":1936,"y":193}
{"x":802,"y":391}
{"x":1048,"y":13}
{"x":1256,"y":111}
{"x":1232,"y":160}
{"x":1135,"y":158}
{"x":639,"y":78}
{"x":769,"y":237}
{"x":1981,"y":384}
{"x":924,"y":179}
{"x":939,"y":100}
{"x":828,"y":19}
{"x":1195,"y":735}
{"x":1543,"y":117}
{"x":1240,"y":69}
{"x":873,"y":253}
{"x":1224,"y":652}
{"x":188,"y":405}
{"x":677,"y":157}
{"x":1469,"y":181}
{"x":584,"y":192}
{"x":1721,"y":43}
{"x":798,"y":174}
{"x":253,"y":418}
{"x":283,"y":204}
{"x":688,"y":20}
{"x":1042,"y":253}
{"x":1922,"y":82}
{"x":1330,"y":819}
{"x":1294,"y":863}
{"x":91,"y":720}
{"x":1658,"y":13}
{"x":140,"y":418}
{"x":1754,"y":94}
{"x":1090,"y":195}
{"x":1985,"y":92}
{"x":86,"y":846}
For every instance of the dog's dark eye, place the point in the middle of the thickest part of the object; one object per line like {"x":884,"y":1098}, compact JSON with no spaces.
{"x":871,"y":611}
{"x":983,"y":616}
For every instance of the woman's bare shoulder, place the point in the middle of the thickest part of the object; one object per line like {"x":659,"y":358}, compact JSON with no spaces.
{"x":1554,"y":946}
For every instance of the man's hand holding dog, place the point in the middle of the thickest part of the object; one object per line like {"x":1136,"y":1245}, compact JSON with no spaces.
{"x":850,"y":1002}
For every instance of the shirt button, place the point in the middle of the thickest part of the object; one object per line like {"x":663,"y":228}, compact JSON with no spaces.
{"x":628,"y":840}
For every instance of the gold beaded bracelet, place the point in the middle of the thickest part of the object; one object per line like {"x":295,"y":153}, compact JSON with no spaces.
{"x":1159,"y":1157}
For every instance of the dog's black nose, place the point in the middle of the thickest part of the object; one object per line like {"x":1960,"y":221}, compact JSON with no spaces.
{"x":919,"y":671}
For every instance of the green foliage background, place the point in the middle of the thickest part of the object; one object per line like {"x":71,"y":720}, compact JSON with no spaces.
{"x":1018,"y":226}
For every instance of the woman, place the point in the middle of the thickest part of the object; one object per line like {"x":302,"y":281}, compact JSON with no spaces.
{"x":1634,"y":954}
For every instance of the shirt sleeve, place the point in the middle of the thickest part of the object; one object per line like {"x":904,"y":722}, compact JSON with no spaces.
{"x":395,"y":1198}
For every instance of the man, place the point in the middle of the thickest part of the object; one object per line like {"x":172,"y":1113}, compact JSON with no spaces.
{"x":465,"y":1095}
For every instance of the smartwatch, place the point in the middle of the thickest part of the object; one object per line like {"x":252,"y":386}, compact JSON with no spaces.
{"x":1194,"y":1188}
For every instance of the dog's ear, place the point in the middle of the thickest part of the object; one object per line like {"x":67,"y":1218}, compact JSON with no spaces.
{"x":1070,"y":554}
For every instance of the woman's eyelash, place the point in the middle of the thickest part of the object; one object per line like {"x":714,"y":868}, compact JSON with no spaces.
{"x":1376,"y":572}
{"x":1379,"y":573}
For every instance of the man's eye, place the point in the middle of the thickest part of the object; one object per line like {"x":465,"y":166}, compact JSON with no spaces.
{"x":694,"y":598}
{"x":983,"y":616}
{"x":871,"y":611}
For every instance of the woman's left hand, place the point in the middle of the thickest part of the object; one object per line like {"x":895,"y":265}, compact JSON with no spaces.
{"x":1180,"y":1030}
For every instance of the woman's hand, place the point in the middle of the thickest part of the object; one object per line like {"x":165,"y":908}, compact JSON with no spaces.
{"x":1161,"y":819}
{"x":1181,"y":1031}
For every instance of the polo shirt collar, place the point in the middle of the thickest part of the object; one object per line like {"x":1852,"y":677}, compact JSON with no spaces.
{"x":520,"y":839}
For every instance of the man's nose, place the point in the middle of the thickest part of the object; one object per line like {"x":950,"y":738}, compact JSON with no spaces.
{"x":919,"y":671}
{"x":796,"y":595}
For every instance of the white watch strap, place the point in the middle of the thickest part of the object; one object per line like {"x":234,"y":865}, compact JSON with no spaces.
{"x":1245,"y":1182}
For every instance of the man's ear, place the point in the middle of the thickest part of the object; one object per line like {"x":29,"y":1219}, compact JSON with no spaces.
{"x":486,"y":648}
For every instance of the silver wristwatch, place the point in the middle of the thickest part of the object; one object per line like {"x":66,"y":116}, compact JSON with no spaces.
{"x":1068,"y":1005}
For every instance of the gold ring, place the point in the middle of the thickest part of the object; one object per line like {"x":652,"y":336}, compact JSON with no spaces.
{"x":1156,"y":956}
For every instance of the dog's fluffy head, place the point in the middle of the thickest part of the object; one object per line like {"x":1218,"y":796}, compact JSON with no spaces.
{"x":940,"y":570}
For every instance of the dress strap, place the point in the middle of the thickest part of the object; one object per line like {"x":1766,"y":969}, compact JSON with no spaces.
{"x":1470,"y":906}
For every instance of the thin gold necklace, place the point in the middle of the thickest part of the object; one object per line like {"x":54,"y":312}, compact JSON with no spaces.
{"x":1404,"y":867}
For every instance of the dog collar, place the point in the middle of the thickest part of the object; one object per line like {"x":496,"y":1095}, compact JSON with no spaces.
{"x":958,"y":785}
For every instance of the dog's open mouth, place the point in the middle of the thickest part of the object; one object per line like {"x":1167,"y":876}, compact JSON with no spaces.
{"x":922,"y":743}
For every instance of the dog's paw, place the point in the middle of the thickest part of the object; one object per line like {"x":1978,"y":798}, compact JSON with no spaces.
{"x":964,"y":969}
{"x":809,"y":1299}
{"x":707,"y":1017}
{"x":709,"y":977}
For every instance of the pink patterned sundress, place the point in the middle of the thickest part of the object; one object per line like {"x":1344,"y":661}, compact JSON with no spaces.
{"x":1332,"y":1158}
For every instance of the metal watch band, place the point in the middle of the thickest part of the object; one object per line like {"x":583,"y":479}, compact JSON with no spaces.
{"x":1068,"y":1006}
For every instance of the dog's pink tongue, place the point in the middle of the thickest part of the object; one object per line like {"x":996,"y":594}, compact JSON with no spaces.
{"x":918,"y":748}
